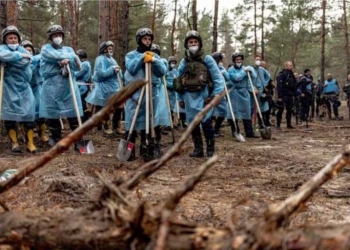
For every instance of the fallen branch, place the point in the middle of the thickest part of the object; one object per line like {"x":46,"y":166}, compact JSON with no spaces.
{"x":61,"y":146}
{"x":147,"y":169}
{"x":278,"y":213}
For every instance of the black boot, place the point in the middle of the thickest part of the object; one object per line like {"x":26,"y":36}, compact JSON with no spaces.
{"x":289,"y":124}
{"x":198,"y":147}
{"x":210,"y":147}
{"x":248,"y":127}
{"x":147,"y":151}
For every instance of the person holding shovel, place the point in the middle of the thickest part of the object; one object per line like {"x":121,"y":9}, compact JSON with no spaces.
{"x":105,"y":76}
{"x":201,"y":80}
{"x":56,"y":97}
{"x":18,"y":101}
{"x":135,"y":64}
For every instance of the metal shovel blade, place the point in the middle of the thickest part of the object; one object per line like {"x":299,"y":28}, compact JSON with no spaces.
{"x":265,"y":133}
{"x":124,"y":150}
{"x":239,"y":137}
{"x":86,"y":147}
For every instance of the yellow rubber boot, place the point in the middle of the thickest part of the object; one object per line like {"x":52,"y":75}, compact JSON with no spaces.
{"x":107,"y":127}
{"x":13,"y":136}
{"x":43,"y":134}
{"x":30,"y":141}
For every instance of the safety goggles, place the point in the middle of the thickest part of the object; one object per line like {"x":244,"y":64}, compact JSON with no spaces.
{"x":55,"y":28}
{"x":145,"y":31}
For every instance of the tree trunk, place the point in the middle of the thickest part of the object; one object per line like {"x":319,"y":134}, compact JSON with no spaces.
{"x":323,"y":39}
{"x":103,"y":21}
{"x":255,"y":30}
{"x":262,"y":29}
{"x":3,"y":13}
{"x":124,"y":24}
{"x":12,"y":11}
{"x":62,"y":16}
{"x":215,"y":27}
{"x":153,"y":21}
{"x":194,"y":15}
{"x":173,"y":28}
{"x":346,"y":35}
{"x":71,"y":23}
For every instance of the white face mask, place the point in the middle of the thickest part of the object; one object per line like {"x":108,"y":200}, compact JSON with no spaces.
{"x":57,"y":40}
{"x":13,"y":46}
{"x":238,"y":64}
{"x":193,"y":49}
{"x":257,"y":62}
{"x":172,"y":65}
{"x":110,"y":54}
{"x":221,"y":64}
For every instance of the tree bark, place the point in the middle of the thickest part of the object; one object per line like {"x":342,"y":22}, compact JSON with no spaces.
{"x":215,"y":27}
{"x":153,"y":21}
{"x":104,"y":21}
{"x":255,"y":29}
{"x":262,"y":29}
{"x":173,"y":28}
{"x":124,"y":23}
{"x":194,"y":15}
{"x":12,"y":12}
{"x":62,"y":16}
{"x":346,"y":35}
{"x":323,"y":39}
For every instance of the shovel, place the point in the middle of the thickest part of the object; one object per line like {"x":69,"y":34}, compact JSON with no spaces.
{"x":265,"y":132}
{"x":169,"y":112}
{"x":125,"y":147}
{"x":2,"y":73}
{"x":84,"y":146}
{"x":238,"y":135}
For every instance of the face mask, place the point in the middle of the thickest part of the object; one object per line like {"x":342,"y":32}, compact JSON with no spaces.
{"x":172,"y":65}
{"x":257,"y":62}
{"x":110,"y":54}
{"x":238,"y":64}
{"x":13,"y":46}
{"x":57,"y":40}
{"x":193,"y":49}
{"x":221,"y":64}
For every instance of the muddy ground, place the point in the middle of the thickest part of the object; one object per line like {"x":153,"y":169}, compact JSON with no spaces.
{"x":248,"y":176}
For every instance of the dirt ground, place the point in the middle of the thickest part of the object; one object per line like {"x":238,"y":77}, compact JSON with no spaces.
{"x":248,"y":176}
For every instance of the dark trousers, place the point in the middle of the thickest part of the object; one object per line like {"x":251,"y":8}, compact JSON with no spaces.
{"x":330,"y":104}
{"x":12,"y":125}
{"x":288,"y":105}
{"x":55,"y":127}
{"x":305,"y":107}
{"x":117,"y":117}
{"x":248,"y":127}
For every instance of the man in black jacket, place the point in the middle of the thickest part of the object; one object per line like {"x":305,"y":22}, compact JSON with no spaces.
{"x":286,"y":87}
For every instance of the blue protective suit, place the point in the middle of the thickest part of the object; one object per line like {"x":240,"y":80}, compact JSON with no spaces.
{"x":221,"y":109}
{"x":330,"y":86}
{"x":164,"y":119}
{"x":18,"y":102}
{"x":83,"y":76}
{"x":106,"y":81}
{"x":135,"y":70}
{"x":262,"y":80}
{"x":36,"y":83}
{"x":195,"y":101}
{"x":240,"y":93}
{"x":171,"y":74}
{"x":56,"y":97}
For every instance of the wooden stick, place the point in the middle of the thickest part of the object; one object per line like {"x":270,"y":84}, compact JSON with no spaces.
{"x":147,"y":169}
{"x":114,"y":102}
{"x":163,"y":230}
{"x":277,"y":213}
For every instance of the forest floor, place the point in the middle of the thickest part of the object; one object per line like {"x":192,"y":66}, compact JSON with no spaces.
{"x":246,"y":179}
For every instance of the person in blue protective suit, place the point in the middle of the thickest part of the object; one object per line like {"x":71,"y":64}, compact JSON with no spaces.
{"x":135,"y":70}
{"x":330,"y":95}
{"x":286,"y":89}
{"x":240,"y":94}
{"x":262,"y":80}
{"x":201,"y":80}
{"x":171,"y":74}
{"x":105,"y":77}
{"x":36,"y":85}
{"x":83,"y":77}
{"x":164,"y":119}
{"x":305,"y":87}
{"x":220,"y":111}
{"x":56,"y":97}
{"x":18,"y":103}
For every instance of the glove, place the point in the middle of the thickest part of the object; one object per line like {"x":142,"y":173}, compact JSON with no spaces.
{"x":182,"y":104}
{"x":64,"y":62}
{"x":148,"y":59}
{"x":149,"y":53}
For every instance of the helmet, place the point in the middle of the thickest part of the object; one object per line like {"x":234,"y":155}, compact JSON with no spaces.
{"x":218,"y":56}
{"x":54,"y":29}
{"x":171,"y":58}
{"x":10,"y":30}
{"x":237,"y":54}
{"x":82,"y":54}
{"x":155,"y":48}
{"x":104,"y":46}
{"x":143,"y":32}
{"x":193,"y":34}
{"x":26,"y":43}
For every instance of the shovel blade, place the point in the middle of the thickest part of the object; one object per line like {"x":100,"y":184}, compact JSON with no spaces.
{"x":124,"y":150}
{"x":239,"y":137}
{"x":266,"y":133}
{"x":86,"y":147}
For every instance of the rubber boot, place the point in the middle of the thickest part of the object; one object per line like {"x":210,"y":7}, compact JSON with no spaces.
{"x":13,"y":136}
{"x":119,"y":130}
{"x":210,"y":147}
{"x":198,"y":147}
{"x":30,"y":141}
{"x":56,"y":135}
{"x":42,"y":132}
{"x":289,"y":124}
{"x":107,"y":127}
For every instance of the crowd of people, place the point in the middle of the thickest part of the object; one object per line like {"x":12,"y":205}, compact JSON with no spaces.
{"x":37,"y":93}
